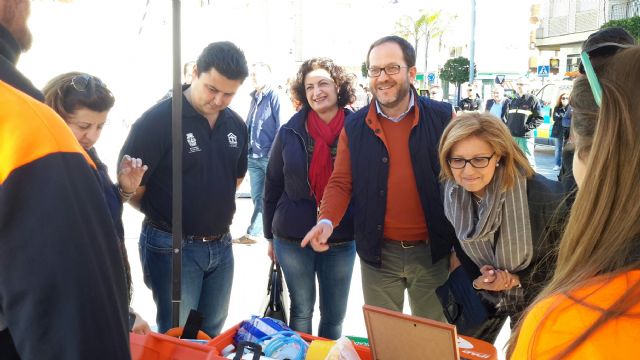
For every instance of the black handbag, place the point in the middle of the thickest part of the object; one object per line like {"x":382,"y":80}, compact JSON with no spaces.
{"x":462,"y":304}
{"x":275,"y":306}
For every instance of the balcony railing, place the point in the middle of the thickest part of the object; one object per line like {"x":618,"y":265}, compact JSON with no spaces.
{"x":625,"y":10}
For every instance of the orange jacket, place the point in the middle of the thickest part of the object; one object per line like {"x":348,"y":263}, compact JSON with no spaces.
{"x":555,"y":322}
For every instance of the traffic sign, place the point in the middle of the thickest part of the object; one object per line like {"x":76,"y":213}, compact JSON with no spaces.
{"x":499,"y":79}
{"x":543,"y":70}
{"x":431,"y":77}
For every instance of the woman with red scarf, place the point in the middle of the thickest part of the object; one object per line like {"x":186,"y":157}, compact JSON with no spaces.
{"x":300,"y":165}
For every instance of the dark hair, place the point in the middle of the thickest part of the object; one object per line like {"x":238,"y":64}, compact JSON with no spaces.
{"x":604,"y":43}
{"x":226,"y":58}
{"x":65,"y":98}
{"x":559,"y":101}
{"x":346,"y":92}
{"x":408,"y":52}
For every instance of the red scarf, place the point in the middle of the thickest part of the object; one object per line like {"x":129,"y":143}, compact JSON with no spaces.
{"x":324,"y":136}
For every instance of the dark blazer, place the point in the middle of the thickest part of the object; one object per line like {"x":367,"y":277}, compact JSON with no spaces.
{"x":505,"y":108}
{"x":547,"y":213}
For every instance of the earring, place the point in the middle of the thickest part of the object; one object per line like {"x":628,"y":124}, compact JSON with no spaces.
{"x":497,"y":164}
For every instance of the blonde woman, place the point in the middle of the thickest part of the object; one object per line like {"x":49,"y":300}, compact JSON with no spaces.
{"x":502,"y":213}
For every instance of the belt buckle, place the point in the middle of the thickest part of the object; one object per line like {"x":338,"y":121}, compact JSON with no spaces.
{"x":406,"y":246}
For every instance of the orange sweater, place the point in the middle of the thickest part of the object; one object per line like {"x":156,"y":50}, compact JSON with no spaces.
{"x":557,"y":321}
{"x":404,"y":216}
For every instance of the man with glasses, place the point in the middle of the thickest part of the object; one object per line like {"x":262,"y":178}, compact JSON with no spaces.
{"x":214,"y":164}
{"x":498,"y":105}
{"x":63,"y":293}
{"x":387,"y":164}
{"x":471,"y":102}
{"x":524,"y":116}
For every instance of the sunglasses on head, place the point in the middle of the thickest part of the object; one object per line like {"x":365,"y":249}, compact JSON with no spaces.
{"x":84,"y":81}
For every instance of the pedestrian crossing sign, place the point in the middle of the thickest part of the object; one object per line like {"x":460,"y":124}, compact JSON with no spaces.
{"x":543,"y":70}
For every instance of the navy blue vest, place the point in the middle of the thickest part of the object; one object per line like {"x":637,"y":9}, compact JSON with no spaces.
{"x":370,"y":172}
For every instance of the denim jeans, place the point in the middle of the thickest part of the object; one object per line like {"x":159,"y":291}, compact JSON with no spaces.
{"x":257,"y":171}
{"x":333,"y":269}
{"x":558,"y":153}
{"x":207,"y":275}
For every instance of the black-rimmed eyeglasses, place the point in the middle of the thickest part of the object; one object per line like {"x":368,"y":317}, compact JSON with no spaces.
{"x":476,"y":162}
{"x":389,"y":70}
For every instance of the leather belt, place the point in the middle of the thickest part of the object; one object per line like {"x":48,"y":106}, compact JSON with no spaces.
{"x":160,"y":225}
{"x":406,"y":244}
{"x":204,"y":238}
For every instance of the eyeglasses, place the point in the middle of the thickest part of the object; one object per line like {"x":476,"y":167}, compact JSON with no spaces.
{"x":564,"y":98}
{"x":83,"y":82}
{"x":477,"y":162}
{"x":389,"y":70}
{"x":596,"y":89}
{"x":469,"y":90}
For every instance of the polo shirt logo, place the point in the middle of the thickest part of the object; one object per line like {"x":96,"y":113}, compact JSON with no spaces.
{"x":233,"y":140}
{"x":193,"y":145}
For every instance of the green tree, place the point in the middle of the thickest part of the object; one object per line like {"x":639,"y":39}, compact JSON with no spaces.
{"x":632,"y":25}
{"x":364,"y":70}
{"x":456,"y":71}
{"x":428,"y":26}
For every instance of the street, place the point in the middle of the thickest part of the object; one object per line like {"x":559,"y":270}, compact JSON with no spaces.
{"x":252,"y":268}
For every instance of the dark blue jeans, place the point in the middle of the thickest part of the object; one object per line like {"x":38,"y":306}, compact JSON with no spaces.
{"x":558,"y":152}
{"x":207,"y":275}
{"x":257,"y":171}
{"x":333,"y":269}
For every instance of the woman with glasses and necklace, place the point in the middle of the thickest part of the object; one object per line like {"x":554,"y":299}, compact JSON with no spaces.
{"x":503,"y":214}
{"x":557,"y":132}
{"x":300,"y":165}
{"x":83,"y":102}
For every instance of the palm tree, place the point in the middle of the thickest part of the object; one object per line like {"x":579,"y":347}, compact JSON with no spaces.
{"x":428,"y":26}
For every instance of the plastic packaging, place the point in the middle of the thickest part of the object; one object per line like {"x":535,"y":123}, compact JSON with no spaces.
{"x":343,"y":350}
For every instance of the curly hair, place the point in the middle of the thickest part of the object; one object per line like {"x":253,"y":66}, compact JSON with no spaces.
{"x":346,"y":92}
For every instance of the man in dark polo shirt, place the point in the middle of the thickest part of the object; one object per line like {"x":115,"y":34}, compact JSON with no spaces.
{"x":214,"y":163}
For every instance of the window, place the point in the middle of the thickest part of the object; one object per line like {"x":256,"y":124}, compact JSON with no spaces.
{"x":559,"y":8}
{"x":586,"y":5}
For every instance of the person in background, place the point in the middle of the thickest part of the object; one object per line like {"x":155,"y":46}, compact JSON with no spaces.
{"x":299,"y":169}
{"x":503,"y":213}
{"x":498,"y":105}
{"x":83,"y":101}
{"x":557,"y":132}
{"x":590,"y":307}
{"x":215,"y":162}
{"x":435,"y":93}
{"x":472,"y":102}
{"x":62,"y":282}
{"x":524,"y":116}
{"x":387,"y":164}
{"x":263,"y":122}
